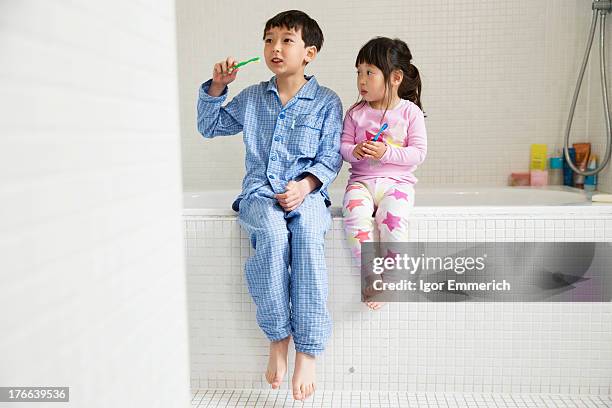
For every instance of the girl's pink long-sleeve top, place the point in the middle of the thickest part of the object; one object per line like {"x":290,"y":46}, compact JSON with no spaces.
{"x":405,"y":137}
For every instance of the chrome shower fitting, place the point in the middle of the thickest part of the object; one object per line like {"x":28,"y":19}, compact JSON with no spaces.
{"x":605,"y":5}
{"x":600,"y":9}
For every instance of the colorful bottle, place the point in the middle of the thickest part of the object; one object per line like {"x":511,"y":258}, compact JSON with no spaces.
{"x":538,"y":176}
{"x":583,"y":151}
{"x":568,"y":173}
{"x":519,"y":179}
{"x":555,"y":169}
{"x":590,"y":182}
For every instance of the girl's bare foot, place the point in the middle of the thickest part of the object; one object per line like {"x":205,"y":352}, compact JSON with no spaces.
{"x":369,"y":293}
{"x":303,"y":382}
{"x":375,"y":305}
{"x":277,"y":362}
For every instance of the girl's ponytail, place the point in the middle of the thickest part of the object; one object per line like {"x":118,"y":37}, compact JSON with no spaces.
{"x":410,"y":88}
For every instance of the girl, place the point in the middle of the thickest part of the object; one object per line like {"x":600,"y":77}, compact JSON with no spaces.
{"x":381,"y":180}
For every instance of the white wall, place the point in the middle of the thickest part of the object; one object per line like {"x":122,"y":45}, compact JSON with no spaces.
{"x":497,"y":76}
{"x":92,"y":271}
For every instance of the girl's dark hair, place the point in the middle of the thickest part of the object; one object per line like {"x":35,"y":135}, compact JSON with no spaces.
{"x":298,"y":20}
{"x":389,"y":55}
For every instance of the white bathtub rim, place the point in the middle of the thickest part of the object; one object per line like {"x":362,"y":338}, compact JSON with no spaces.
{"x":585,"y":209}
{"x":564,"y":209}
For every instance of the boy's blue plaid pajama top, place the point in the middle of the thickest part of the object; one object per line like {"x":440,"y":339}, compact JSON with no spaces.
{"x":286,"y":275}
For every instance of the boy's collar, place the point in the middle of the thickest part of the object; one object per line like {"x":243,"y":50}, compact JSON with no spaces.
{"x":308,"y":91}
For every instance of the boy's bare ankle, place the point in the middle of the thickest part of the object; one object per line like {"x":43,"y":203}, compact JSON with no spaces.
{"x":304,"y":376}
{"x":277,"y":362}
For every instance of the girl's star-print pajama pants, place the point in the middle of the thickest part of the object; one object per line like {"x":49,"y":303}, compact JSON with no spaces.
{"x":376,"y":210}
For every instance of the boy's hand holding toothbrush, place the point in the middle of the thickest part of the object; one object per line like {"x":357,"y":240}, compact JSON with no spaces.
{"x":222,"y":76}
{"x":225,"y":72}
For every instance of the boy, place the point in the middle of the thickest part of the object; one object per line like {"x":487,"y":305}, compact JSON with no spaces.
{"x":292,"y":128}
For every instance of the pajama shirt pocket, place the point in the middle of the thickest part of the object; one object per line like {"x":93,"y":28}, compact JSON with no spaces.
{"x":305,"y":135}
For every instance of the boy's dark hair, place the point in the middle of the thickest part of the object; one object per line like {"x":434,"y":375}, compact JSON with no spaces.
{"x":298,"y":20}
{"x":390,"y":55}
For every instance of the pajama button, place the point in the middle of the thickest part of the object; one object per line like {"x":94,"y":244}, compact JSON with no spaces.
{"x":282,"y":116}
{"x":271,"y":176}
{"x":273,"y":157}
{"x":276,"y":138}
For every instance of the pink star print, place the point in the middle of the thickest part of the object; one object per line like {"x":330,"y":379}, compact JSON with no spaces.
{"x":370,"y":136}
{"x":362,"y":236}
{"x":391,"y":254}
{"x":354,"y":203}
{"x":392,"y":221}
{"x":399,"y":195}
{"x":353,"y":187}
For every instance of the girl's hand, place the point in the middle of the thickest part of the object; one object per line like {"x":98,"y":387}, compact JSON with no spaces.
{"x":358,"y":152}
{"x":221,"y":72}
{"x":374,"y":150}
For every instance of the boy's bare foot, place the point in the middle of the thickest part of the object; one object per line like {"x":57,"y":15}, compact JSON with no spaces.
{"x":303,"y":381}
{"x":277,"y":362}
{"x":375,"y":305}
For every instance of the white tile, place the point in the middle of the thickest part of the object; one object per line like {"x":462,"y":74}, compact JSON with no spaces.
{"x":522,"y":347}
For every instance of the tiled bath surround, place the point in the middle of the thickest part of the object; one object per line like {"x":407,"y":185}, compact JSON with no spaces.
{"x":412,"y":347}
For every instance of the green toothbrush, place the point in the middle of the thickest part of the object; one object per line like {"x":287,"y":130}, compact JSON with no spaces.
{"x":243,"y":63}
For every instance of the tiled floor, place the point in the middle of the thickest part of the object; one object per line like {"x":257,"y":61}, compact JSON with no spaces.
{"x":337,"y":399}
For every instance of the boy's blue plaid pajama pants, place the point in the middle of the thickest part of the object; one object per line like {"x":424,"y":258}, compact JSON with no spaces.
{"x":286,"y":275}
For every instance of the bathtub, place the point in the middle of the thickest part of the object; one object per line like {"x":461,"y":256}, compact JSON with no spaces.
{"x":412,"y":347}
{"x":551,"y":199}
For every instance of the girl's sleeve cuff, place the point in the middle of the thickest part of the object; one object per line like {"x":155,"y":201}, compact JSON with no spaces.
{"x":386,"y":154}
